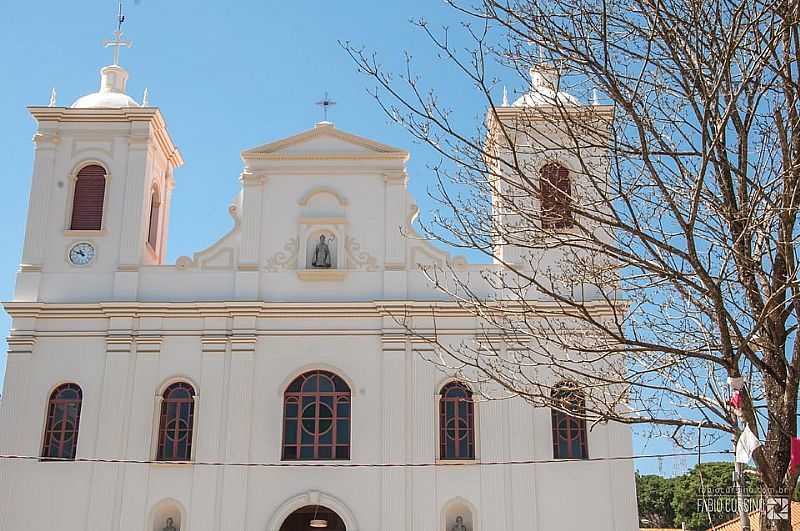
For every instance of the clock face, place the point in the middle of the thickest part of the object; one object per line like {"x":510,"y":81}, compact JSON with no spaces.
{"x":81,"y":254}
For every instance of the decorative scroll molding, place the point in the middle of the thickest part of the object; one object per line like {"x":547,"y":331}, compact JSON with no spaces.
{"x":285,"y":259}
{"x":226,"y":243}
{"x":356,"y":258}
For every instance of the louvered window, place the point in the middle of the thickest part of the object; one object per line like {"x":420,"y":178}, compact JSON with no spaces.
{"x":87,"y":202}
{"x":556,"y":191}
{"x":155,"y":211}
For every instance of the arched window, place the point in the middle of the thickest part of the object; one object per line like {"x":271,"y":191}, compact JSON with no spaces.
{"x":63,"y":419}
{"x":176,"y":423}
{"x":456,"y":422}
{"x":316,"y":417}
{"x":155,"y":210}
{"x":556,"y":196}
{"x":570,"y":440}
{"x":87,"y":201}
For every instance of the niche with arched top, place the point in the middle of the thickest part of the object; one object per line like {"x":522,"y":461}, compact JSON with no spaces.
{"x":458,"y":516}
{"x":322,"y":250}
{"x":167,"y":515}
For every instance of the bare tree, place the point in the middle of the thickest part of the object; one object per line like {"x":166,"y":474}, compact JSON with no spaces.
{"x":672,"y":245}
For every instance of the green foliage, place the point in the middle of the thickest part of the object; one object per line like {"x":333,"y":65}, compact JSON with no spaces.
{"x":707,"y":490}
{"x":654,"y":495}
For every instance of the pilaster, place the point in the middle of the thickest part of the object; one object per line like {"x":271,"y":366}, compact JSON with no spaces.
{"x":252,"y":206}
{"x":239,"y":420}
{"x":17,"y":397}
{"x":47,"y":141}
{"x":132,"y":229}
{"x":110,"y":433}
{"x":395,"y":349}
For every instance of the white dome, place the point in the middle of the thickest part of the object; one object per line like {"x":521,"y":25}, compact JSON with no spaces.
{"x":104,"y":100}
{"x":544,"y":80}
{"x":111,"y":94}
{"x":544,"y":96}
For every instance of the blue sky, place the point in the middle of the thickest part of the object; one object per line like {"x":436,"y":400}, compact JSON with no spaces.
{"x":227,"y":76}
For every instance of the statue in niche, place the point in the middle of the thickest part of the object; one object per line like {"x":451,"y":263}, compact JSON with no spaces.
{"x":170,"y":525}
{"x":459,"y":525}
{"x":322,"y":254}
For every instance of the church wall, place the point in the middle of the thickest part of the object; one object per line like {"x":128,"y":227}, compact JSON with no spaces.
{"x":239,"y":419}
{"x":250,"y":315}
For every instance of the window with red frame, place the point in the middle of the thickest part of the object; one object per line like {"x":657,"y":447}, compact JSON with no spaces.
{"x":316,"y":418}
{"x":556,"y":201}
{"x":570,"y":439}
{"x":88,"y":198}
{"x":456,"y":422}
{"x":63,"y":419}
{"x":176,"y":423}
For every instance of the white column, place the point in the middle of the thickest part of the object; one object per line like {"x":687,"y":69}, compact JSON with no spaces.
{"x":424,"y":505}
{"x":250,"y":247}
{"x":109,"y":440}
{"x":492,"y":422}
{"x":239,"y":418}
{"x":42,"y":186}
{"x":393,"y":417}
{"x":395,"y":205}
{"x":132,"y":175}
{"x":131,"y":508}
{"x":207,"y":481}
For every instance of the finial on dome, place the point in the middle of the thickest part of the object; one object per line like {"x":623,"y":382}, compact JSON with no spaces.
{"x":113,"y":78}
{"x":118,"y":43}
{"x":544,"y":75}
{"x":52,"y":98}
{"x":146,"y":98}
{"x":505,"y":96}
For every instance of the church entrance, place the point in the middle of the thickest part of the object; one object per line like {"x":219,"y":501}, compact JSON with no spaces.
{"x":313,"y":518}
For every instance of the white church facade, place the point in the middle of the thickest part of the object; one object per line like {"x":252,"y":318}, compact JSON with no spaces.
{"x":266,"y":383}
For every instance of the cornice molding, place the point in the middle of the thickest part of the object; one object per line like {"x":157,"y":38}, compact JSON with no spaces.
{"x":377,"y":150}
{"x":275,"y":310}
{"x":133,"y":115}
{"x":328,"y":156}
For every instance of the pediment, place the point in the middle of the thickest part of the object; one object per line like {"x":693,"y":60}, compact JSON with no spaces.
{"x":325,"y":142}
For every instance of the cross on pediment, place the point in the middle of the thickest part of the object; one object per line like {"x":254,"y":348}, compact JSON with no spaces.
{"x":325,"y":103}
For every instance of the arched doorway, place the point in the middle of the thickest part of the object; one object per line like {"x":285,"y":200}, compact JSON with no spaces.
{"x":301,"y":520}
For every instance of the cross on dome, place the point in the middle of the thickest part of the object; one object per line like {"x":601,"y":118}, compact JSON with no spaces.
{"x":118,"y":43}
{"x":113,"y":78}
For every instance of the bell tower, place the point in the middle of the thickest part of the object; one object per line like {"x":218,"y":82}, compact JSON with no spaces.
{"x":541,"y":146}
{"x":100,"y":194}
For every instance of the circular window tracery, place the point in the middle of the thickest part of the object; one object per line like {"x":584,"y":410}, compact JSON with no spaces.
{"x":316,"y":417}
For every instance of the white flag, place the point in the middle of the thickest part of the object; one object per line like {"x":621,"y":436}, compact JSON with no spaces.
{"x":746,"y":445}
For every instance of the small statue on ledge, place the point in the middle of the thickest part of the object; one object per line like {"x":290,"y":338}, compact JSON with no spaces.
{"x":459,"y":525}
{"x":322,"y":254}
{"x":170,"y":525}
